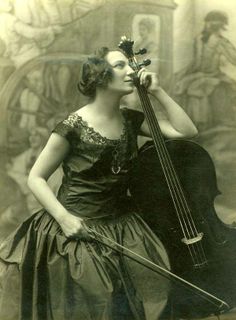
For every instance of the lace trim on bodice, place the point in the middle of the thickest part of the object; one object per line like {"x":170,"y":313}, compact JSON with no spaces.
{"x":89,"y":134}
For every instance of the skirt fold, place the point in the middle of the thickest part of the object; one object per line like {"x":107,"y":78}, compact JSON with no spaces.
{"x":47,"y":276}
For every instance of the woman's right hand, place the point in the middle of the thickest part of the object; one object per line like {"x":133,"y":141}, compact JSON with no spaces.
{"x":72,"y":227}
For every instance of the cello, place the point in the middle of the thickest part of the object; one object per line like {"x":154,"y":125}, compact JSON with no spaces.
{"x":173,"y":183}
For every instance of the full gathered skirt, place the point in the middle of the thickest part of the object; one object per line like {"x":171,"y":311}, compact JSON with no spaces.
{"x":46,"y":276}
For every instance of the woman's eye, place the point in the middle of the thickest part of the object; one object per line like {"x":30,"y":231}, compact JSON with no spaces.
{"x":119,"y":65}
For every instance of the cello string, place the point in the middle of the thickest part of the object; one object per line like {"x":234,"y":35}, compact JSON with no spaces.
{"x":193,"y":254}
{"x":145,"y":101}
{"x":172,"y":192}
{"x":167,"y":161}
{"x":161,"y":143}
{"x":197,"y":245}
{"x":156,"y":268}
{"x":152,"y":117}
{"x":162,"y":156}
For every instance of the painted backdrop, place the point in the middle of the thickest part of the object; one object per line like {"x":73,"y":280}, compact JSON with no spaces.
{"x":42,"y":44}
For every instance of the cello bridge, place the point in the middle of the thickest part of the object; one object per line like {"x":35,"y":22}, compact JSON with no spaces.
{"x":193,"y":240}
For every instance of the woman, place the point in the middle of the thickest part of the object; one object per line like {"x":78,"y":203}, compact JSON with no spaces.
{"x":148,"y":39}
{"x":58,"y":272}
{"x":204,"y":88}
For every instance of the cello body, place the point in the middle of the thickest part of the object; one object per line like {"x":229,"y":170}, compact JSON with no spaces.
{"x":197,"y":176}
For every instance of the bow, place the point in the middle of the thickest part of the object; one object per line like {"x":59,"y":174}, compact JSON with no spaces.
{"x":115,"y":246}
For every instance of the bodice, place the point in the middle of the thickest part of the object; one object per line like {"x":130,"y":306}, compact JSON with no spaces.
{"x":92,"y":185}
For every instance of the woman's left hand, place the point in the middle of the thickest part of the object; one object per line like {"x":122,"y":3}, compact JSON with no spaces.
{"x":149,"y":80}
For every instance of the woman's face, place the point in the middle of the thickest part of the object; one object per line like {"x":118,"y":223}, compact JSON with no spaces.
{"x":213,"y":26}
{"x":143,"y":31}
{"x":121,"y":82}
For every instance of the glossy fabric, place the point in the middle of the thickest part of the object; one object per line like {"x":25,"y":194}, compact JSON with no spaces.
{"x":89,"y":188}
{"x":45,"y":275}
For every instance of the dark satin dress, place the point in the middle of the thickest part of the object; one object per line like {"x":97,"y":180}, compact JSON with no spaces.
{"x":47,"y":276}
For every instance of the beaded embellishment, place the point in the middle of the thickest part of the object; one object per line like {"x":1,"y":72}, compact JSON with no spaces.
{"x":117,"y":154}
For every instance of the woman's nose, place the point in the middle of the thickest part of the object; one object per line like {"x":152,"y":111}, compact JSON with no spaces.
{"x":130,"y":71}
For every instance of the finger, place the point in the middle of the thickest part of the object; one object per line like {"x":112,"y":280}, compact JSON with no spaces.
{"x":83,"y":234}
{"x":141,"y":71}
{"x":142,"y":74}
{"x":146,"y":79}
{"x":142,"y":78}
{"x":87,"y":232}
{"x":155,"y":81}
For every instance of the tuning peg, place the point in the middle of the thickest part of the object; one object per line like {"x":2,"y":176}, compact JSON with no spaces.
{"x":141,"y":51}
{"x":146,"y":62}
{"x":124,"y":38}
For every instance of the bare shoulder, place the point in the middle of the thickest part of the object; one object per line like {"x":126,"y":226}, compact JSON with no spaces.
{"x":90,"y":115}
{"x":83,"y":111}
{"x":86,"y":113}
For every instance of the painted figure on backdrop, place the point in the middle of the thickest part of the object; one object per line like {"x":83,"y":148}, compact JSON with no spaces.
{"x":44,"y":13}
{"x":6,"y":65}
{"x":204,"y":89}
{"x":46,"y":91}
{"x":57,"y":79}
{"x":51,"y":267}
{"x":30,"y":101}
{"x":53,"y":12}
{"x":148,"y":39}
{"x":23,"y":41}
{"x":13,"y":208}
{"x":19,"y":166}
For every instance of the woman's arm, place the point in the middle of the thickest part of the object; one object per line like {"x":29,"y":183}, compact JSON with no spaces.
{"x":48,"y":161}
{"x":227,"y":49}
{"x":177,"y":124}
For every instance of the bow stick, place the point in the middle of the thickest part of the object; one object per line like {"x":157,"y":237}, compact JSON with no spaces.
{"x":115,"y":246}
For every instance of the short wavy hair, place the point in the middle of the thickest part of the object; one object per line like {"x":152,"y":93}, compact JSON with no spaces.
{"x":217,"y":16}
{"x":95,"y":72}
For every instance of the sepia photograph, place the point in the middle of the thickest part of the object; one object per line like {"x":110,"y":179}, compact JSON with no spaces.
{"x":117,"y":160}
